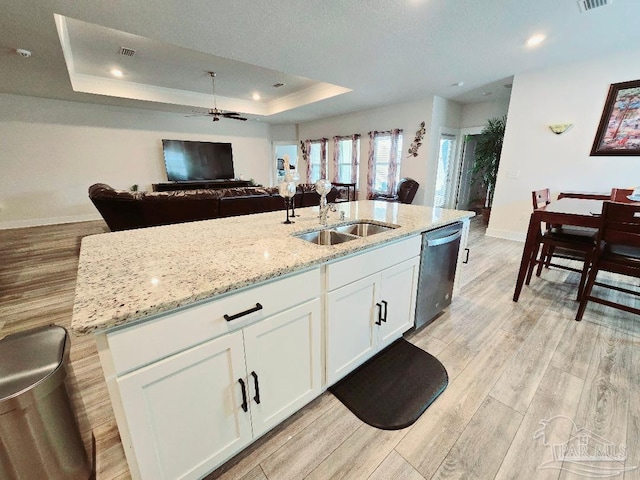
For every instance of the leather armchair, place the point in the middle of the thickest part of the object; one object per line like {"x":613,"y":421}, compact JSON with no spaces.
{"x":405,"y":192}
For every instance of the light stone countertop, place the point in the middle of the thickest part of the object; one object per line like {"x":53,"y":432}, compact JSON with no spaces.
{"x":125,"y":276}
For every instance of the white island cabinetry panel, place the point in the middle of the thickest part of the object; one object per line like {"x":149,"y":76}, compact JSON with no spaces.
{"x":188,"y":412}
{"x":368,"y":314}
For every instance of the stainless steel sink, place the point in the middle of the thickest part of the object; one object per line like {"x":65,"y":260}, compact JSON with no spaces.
{"x":326,"y":237}
{"x":363,"y":229}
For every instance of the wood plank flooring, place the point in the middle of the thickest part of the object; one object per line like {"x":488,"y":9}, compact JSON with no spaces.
{"x":523,"y":377}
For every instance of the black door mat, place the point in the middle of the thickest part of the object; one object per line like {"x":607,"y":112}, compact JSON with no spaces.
{"x":392,"y":389}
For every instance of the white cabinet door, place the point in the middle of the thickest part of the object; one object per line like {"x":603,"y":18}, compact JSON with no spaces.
{"x":283,"y":364}
{"x":398,"y":297}
{"x":350,"y":321}
{"x":185,"y":413}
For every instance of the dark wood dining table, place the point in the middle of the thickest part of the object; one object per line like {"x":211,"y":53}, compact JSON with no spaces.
{"x":565,"y":211}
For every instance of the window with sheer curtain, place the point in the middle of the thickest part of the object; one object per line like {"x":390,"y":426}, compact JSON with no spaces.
{"x":346,"y":159}
{"x":318,"y":160}
{"x":385,"y":151}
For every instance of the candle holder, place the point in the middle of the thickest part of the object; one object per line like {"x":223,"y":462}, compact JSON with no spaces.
{"x":286,"y":191}
{"x":293,"y":176}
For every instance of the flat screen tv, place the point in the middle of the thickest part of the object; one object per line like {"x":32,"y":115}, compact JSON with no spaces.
{"x":192,"y":161}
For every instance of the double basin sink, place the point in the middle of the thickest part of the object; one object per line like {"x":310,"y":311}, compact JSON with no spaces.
{"x":344,"y":233}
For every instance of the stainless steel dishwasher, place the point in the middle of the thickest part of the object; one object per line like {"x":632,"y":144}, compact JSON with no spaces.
{"x":438,"y":261}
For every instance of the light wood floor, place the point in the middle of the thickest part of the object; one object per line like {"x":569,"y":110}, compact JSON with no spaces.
{"x":511,"y":366}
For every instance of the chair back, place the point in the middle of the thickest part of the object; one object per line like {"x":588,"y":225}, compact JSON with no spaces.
{"x":621,"y":194}
{"x":407,"y":189}
{"x":541,"y":198}
{"x":620,"y":224}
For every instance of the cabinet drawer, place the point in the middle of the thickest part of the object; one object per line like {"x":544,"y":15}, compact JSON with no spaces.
{"x":351,"y":269}
{"x":143,"y":343}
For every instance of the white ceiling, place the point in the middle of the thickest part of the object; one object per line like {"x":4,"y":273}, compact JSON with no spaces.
{"x":371,"y":52}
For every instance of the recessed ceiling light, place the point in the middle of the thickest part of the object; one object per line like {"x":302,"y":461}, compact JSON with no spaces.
{"x":484,"y":94}
{"x":256,"y":96}
{"x":278,"y":85}
{"x":458,"y":84}
{"x":535,"y":40}
{"x":116,"y":73}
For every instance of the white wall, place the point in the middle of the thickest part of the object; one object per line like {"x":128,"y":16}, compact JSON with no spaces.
{"x":284,"y":133}
{"x":52,"y":151}
{"x":477,"y":114}
{"x":406,"y":116}
{"x":573,"y":93}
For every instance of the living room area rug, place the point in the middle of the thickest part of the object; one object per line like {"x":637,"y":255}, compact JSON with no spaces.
{"x":393,"y":388}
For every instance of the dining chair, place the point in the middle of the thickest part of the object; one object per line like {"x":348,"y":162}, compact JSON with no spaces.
{"x":620,"y":195}
{"x":561,"y":242}
{"x":541,"y":198}
{"x":618,"y":252}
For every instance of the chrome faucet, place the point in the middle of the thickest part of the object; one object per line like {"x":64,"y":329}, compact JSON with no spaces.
{"x":323,"y":187}
{"x":324,"y":210}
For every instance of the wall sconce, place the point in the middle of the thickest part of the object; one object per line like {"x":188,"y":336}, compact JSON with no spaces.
{"x":560,"y":128}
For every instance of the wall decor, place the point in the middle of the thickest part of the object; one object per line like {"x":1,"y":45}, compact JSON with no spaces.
{"x":619,"y":129}
{"x":303,"y":147}
{"x":417,"y":142}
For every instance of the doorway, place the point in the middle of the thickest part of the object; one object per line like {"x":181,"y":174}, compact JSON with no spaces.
{"x":282,"y":150}
{"x":446,"y":178}
{"x":467,"y":194}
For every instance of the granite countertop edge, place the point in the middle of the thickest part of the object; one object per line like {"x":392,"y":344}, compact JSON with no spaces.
{"x":94,"y":311}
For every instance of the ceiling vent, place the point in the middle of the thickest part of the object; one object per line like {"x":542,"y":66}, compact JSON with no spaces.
{"x":586,"y":5}
{"x":127,"y":52}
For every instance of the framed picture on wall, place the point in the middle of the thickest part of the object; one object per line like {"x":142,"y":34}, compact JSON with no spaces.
{"x":619,"y":129}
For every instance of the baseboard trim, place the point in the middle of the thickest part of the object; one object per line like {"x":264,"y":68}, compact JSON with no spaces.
{"x":506,"y":234}
{"x":38,"y":222}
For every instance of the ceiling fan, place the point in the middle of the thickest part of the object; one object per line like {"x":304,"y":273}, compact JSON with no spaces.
{"x":215,"y":113}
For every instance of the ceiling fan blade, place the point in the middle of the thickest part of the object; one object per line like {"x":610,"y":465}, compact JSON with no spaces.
{"x":237,"y":118}
{"x":230,"y":114}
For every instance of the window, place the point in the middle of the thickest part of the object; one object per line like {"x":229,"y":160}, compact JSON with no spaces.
{"x":445,"y":172}
{"x":318,"y":160}
{"x":348,"y":159}
{"x":384,"y":166}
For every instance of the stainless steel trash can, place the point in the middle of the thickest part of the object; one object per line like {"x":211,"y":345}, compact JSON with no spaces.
{"x":39,"y":437}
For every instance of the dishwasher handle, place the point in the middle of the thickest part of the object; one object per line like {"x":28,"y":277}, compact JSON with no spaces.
{"x":433,"y":242}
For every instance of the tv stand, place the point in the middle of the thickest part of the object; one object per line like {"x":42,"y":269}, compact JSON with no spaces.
{"x":206,"y":184}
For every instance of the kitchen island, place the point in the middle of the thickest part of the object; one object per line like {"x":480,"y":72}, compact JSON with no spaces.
{"x":211,"y":333}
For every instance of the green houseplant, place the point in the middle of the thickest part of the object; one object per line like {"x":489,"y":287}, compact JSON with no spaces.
{"x":487,"y":159}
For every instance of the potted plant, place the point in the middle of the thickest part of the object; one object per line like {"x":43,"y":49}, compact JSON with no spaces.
{"x":487,"y":160}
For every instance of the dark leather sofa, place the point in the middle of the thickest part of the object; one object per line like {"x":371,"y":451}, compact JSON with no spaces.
{"x":125,"y":210}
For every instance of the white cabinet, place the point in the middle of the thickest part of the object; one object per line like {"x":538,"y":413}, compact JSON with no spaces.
{"x":365,"y":316}
{"x":190,"y":412}
{"x":184,"y":413}
{"x":283,"y":364}
{"x":398,"y":292}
